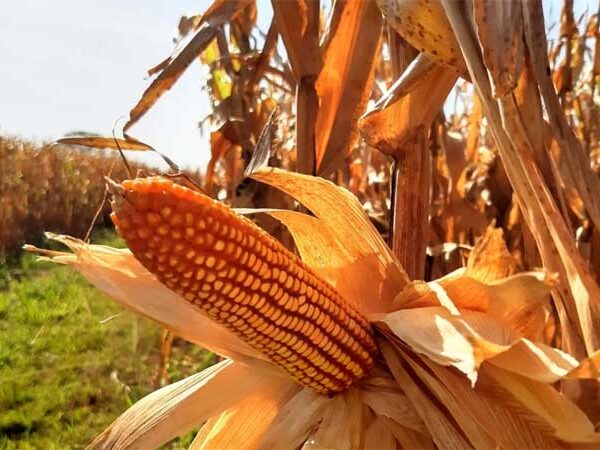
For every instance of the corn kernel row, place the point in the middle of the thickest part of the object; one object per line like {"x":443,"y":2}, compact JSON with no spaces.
{"x":241,"y":277}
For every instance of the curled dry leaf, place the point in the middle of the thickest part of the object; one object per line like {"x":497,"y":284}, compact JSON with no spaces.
{"x":178,"y":408}
{"x":345,"y":80}
{"x":342,"y":214}
{"x":220,"y":12}
{"x":409,"y":106}
{"x":102,"y":142}
{"x":499,"y":26}
{"x":423,"y":24}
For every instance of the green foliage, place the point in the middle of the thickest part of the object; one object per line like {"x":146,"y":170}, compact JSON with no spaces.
{"x":71,"y":360}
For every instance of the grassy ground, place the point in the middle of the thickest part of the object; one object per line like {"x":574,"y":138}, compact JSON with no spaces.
{"x":70,"y":359}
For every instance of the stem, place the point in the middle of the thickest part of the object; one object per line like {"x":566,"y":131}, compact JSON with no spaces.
{"x":410,"y":184}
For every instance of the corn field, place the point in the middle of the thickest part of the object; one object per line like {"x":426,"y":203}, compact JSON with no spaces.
{"x":51,"y":188}
{"x":396,"y":243}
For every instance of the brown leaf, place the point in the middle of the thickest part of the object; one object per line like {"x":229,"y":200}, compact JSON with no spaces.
{"x":425,"y":26}
{"x":243,"y":426}
{"x":295,"y":25}
{"x":499,"y":28}
{"x":102,"y":142}
{"x":410,"y":105}
{"x":490,"y":260}
{"x":220,"y":12}
{"x":178,"y":408}
{"x":344,"y":83}
{"x":441,"y":426}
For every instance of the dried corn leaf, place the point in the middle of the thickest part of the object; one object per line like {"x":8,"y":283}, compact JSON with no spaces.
{"x":394,"y":405}
{"x":569,"y":422}
{"x":510,"y":427}
{"x":345,"y":80}
{"x":290,"y":429}
{"x":297,"y":30}
{"x":442,"y":428}
{"x":341,"y":424}
{"x":102,"y":142}
{"x":573,"y":163}
{"x":499,"y":27}
{"x":180,"y":407}
{"x":220,"y":12}
{"x":579,"y":301}
{"x":408,"y":107}
{"x":344,"y":216}
{"x":407,"y":438}
{"x":378,"y":436}
{"x":244,"y":425}
{"x":423,"y":24}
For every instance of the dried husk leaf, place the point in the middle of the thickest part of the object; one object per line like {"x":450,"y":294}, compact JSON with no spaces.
{"x":341,"y":424}
{"x":102,"y":142}
{"x":244,"y":425}
{"x":378,"y":436}
{"x":510,"y":427}
{"x":424,"y":26}
{"x":407,"y":438}
{"x":442,"y":428}
{"x":519,"y":301}
{"x":120,"y":276}
{"x":344,"y":217}
{"x":394,"y":405}
{"x":290,"y":429}
{"x":408,"y":107}
{"x":568,"y":421}
{"x":178,"y":408}
{"x":345,"y":80}
{"x":220,"y":12}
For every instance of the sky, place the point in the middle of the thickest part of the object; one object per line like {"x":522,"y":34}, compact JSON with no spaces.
{"x":79,"y":65}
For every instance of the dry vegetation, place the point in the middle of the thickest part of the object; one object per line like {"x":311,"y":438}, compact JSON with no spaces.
{"x":51,"y":188}
{"x":502,"y":180}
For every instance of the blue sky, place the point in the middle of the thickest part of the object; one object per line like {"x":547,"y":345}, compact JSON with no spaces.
{"x":81,"y":64}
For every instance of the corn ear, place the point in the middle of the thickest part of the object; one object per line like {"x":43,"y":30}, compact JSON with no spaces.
{"x":241,"y":277}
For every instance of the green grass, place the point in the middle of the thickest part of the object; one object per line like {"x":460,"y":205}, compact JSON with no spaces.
{"x":71,"y":360}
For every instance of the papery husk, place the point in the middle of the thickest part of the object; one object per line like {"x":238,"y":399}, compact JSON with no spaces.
{"x":244,"y":425}
{"x":320,"y":248}
{"x":340,"y":425}
{"x":180,"y":407}
{"x":407,"y":438}
{"x":441,"y":426}
{"x":482,"y":418}
{"x":342,"y":214}
{"x":378,"y":435}
{"x":394,"y":404}
{"x":291,"y":429}
{"x":120,"y":276}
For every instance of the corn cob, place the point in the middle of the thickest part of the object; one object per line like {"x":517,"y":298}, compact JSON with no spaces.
{"x":241,"y":277}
